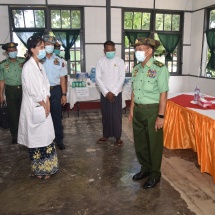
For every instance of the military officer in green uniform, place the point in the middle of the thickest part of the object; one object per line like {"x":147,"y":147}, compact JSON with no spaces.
{"x":147,"y":111}
{"x":10,"y":84}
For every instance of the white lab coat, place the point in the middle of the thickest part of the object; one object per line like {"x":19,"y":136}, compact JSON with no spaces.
{"x":35,"y":88}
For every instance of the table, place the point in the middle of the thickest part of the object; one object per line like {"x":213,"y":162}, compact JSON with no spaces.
{"x":191,"y":128}
{"x":92,"y":93}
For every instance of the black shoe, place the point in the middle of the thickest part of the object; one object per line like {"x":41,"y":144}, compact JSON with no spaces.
{"x":140,"y":176}
{"x":150,"y":183}
{"x":14,"y":141}
{"x":61,"y":146}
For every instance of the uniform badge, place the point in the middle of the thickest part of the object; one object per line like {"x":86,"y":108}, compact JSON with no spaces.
{"x":56,"y":61}
{"x":114,"y":64}
{"x":135,"y":72}
{"x":151,"y":73}
{"x":157,"y":63}
{"x":7,"y":66}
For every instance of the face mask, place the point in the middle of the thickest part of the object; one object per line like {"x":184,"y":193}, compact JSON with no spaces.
{"x":57,"y":51}
{"x":42,"y":54}
{"x":140,"y":56}
{"x":110,"y":55}
{"x":49,"y":49}
{"x":12,"y":54}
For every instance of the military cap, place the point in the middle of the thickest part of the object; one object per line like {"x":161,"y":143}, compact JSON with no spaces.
{"x":50,"y":39}
{"x":9,"y":45}
{"x":57,"y":44}
{"x":146,"y":41}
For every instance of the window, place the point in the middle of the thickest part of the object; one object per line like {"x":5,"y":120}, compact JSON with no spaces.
{"x":136,"y":24}
{"x":137,"y":20}
{"x":211,"y":19}
{"x":26,"y":22}
{"x":206,"y":54}
{"x":140,"y":23}
{"x":66,"y":19}
{"x":28,"y":18}
{"x":167,"y":22}
{"x":65,"y":23}
{"x":168,"y":25}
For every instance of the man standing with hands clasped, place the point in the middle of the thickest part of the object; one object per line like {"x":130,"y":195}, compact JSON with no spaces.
{"x":110,"y":76}
{"x":148,"y":103}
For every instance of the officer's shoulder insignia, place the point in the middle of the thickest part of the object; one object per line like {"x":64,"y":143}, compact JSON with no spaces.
{"x":158,"y":63}
{"x":3,"y":61}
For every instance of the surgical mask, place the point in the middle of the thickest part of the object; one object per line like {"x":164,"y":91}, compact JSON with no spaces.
{"x":42,"y":54}
{"x":57,"y":51}
{"x":140,"y":55}
{"x":12,"y":54}
{"x":110,"y":55}
{"x":49,"y":49}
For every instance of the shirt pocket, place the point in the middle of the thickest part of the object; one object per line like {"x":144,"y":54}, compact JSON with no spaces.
{"x":57,"y":67}
{"x":150,"y":85}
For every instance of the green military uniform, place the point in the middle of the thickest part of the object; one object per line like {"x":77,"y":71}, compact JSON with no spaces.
{"x":10,"y":73}
{"x":148,"y":82}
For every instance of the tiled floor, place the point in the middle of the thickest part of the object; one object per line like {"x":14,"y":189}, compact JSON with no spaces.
{"x":97,"y":179}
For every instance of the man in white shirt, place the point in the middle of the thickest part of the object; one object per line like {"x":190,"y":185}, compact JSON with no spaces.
{"x":110,"y":76}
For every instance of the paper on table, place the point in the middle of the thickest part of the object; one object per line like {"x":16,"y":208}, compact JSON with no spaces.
{"x":82,"y":92}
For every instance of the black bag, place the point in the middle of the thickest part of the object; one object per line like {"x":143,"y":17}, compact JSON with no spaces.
{"x":4,"y":118}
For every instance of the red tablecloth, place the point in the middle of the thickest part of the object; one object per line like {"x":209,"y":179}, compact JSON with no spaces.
{"x":184,"y":100}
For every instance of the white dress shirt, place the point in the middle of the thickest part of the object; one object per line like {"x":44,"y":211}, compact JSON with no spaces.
{"x":110,"y":75}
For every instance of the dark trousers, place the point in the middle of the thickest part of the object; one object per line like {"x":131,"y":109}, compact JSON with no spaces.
{"x":56,"y":112}
{"x":148,"y":143}
{"x":14,"y":99}
{"x":112,"y":116}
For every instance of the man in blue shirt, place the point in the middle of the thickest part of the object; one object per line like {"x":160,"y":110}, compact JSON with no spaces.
{"x":56,"y":72}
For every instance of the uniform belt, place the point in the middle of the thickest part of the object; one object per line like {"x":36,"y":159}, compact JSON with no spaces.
{"x":52,"y":87}
{"x":146,"y":105}
{"x":14,"y":87}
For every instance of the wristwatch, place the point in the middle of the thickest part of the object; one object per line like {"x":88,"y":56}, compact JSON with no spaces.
{"x":160,"y":116}
{"x":64,"y":94}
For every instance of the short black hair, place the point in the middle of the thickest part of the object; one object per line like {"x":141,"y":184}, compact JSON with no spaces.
{"x":109,"y":43}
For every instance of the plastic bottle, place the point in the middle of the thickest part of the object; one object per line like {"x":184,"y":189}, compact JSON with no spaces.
{"x":196,"y":94}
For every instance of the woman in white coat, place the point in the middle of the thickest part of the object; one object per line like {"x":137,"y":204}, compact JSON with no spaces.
{"x":37,"y":134}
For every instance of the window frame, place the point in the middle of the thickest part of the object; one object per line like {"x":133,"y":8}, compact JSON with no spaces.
{"x":133,"y":31}
{"x":25,"y":29}
{"x":207,"y":21}
{"x":205,"y":49}
{"x":180,"y":44}
{"x":47,"y":14}
{"x":152,"y":29}
{"x":82,"y":48}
